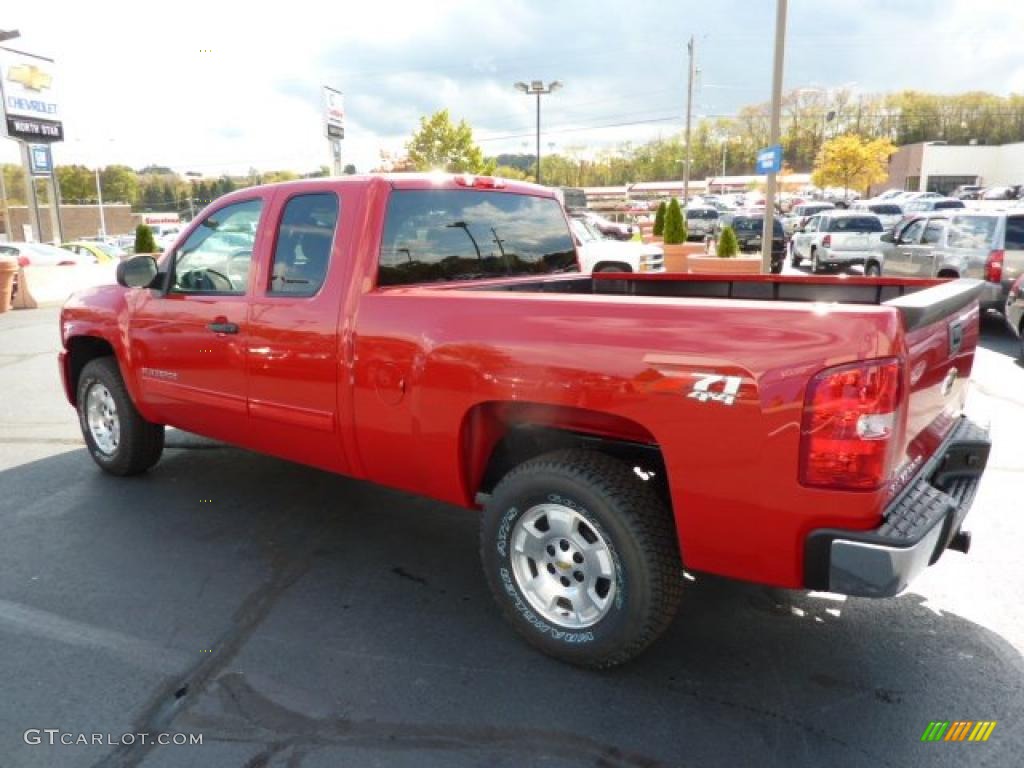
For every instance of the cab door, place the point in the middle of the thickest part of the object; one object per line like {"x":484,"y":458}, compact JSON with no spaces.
{"x":802,"y":239}
{"x":925,"y":252}
{"x":294,"y":352}
{"x":188,"y":342}
{"x":899,"y":259}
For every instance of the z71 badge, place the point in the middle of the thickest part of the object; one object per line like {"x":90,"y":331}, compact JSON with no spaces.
{"x":714,"y":387}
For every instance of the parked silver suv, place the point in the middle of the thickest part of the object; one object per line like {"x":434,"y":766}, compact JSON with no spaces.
{"x":984,"y":245}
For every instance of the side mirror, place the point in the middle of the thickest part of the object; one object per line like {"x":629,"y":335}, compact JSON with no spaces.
{"x":888,"y":237}
{"x":139,"y":272}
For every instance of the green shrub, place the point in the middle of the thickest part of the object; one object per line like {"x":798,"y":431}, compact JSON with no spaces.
{"x":675,"y":224}
{"x":144,"y":240}
{"x":728,"y":245}
{"x":659,"y":219}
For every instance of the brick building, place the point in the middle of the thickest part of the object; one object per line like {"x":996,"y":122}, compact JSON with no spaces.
{"x":77,"y":221}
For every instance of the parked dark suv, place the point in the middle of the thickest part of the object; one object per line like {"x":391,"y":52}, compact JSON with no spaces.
{"x":748,"y":231}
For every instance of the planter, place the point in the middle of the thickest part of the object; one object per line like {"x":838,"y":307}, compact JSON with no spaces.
{"x":712,"y":265}
{"x":677,"y":256}
{"x":8,"y":268}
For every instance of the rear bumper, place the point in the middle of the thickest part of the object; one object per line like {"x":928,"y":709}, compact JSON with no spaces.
{"x":918,"y":525}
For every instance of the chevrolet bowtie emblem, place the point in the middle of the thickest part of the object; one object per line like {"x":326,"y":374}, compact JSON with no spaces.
{"x":30,"y":76}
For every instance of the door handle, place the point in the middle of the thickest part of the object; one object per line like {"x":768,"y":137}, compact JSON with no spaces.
{"x":223,"y":327}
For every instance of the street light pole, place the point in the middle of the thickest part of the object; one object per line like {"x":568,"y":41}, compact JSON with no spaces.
{"x":99,"y":195}
{"x":537,"y":87}
{"x":689,"y":112}
{"x":767,"y":231}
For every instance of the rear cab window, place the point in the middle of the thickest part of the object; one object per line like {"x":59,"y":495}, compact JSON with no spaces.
{"x":701,"y":213}
{"x":302,"y":251}
{"x":433,"y":235}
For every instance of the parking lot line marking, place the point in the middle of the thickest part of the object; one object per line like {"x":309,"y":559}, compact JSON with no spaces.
{"x":23,"y":619}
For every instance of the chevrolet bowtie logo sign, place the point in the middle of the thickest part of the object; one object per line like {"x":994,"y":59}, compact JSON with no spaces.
{"x":31,"y":76}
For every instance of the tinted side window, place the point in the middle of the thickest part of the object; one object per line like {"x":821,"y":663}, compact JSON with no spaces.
{"x":217,"y":255}
{"x":432,"y":235}
{"x":971,"y":231}
{"x":302,"y":252}
{"x":1015,"y":233}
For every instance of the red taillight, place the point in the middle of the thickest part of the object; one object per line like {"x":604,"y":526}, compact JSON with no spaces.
{"x":23,"y":261}
{"x":849,"y":426}
{"x":479,"y":182}
{"x":826,"y":241}
{"x":994,"y":266}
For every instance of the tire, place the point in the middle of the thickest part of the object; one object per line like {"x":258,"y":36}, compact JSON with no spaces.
{"x":815,"y":266}
{"x":611,"y":268}
{"x":136,"y":444}
{"x":873,"y":270}
{"x":794,"y":257}
{"x":601,"y":503}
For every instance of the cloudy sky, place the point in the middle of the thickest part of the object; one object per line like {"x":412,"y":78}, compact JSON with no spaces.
{"x":138,"y":85}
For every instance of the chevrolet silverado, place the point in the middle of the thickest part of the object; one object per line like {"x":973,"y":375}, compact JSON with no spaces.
{"x":434,"y":334}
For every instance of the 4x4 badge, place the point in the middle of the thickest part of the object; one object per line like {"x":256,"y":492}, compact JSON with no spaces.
{"x":725,"y":394}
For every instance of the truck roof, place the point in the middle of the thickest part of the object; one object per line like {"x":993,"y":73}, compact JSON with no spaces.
{"x":431,"y":180}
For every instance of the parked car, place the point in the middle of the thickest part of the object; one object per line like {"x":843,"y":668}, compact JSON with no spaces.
{"x":967,"y":192}
{"x":800,"y":215}
{"x":889,"y":194}
{"x":1000,"y":193}
{"x":986,"y":246}
{"x":836,"y":239}
{"x":602,"y":254}
{"x":841,"y":198}
{"x":889,"y":214}
{"x":907,"y":250}
{"x":609,"y":228}
{"x":905,"y":197}
{"x":701,"y":222}
{"x":98,"y":251}
{"x":462,"y":360}
{"x":921,"y":204}
{"x":1014,"y":312}
{"x":748,"y":231}
{"x":43,"y":255}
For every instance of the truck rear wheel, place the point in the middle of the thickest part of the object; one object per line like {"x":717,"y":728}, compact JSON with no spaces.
{"x":119,"y":440}
{"x":582,"y":557}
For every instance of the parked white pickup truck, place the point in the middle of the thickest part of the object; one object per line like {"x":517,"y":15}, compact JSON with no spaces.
{"x":599,"y":254}
{"x":837,"y":239}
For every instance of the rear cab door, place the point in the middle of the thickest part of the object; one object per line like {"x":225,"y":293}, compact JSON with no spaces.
{"x":297,"y":395}
{"x":924,"y":254}
{"x":899,"y":257}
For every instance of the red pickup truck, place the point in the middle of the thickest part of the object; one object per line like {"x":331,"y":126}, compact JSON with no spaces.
{"x":433,"y":333}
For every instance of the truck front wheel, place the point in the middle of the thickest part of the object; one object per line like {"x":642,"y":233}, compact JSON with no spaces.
{"x":581,"y":556}
{"x":119,"y":440}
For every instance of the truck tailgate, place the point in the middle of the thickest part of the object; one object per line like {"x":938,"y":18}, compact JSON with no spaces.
{"x":941,"y":326}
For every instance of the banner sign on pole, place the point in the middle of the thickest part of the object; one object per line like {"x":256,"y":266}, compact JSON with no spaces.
{"x":40,"y":159}
{"x":769,"y":160}
{"x":31,"y":107}
{"x":334,"y":113}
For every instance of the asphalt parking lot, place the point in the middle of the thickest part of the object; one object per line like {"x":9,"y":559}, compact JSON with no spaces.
{"x":294,"y":618}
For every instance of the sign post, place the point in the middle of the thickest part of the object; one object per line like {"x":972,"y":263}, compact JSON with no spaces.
{"x":334,"y":125}
{"x":30,"y":112}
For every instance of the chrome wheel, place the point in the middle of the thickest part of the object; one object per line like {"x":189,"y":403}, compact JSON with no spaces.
{"x":563,"y":566}
{"x":101,"y":416}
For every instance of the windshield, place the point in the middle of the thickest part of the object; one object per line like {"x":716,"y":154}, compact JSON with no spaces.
{"x":447,"y":234}
{"x":748,"y":225}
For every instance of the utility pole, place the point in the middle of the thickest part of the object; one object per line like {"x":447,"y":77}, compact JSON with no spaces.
{"x":99,"y":195}
{"x":767,"y":231}
{"x":689,"y":112}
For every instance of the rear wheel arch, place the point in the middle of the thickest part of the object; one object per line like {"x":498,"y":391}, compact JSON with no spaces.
{"x":499,"y":436}
{"x":612,"y":266}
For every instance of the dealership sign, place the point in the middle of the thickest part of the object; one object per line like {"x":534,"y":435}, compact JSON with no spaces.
{"x":31,"y":108}
{"x":40,"y":159}
{"x":334,"y":113}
